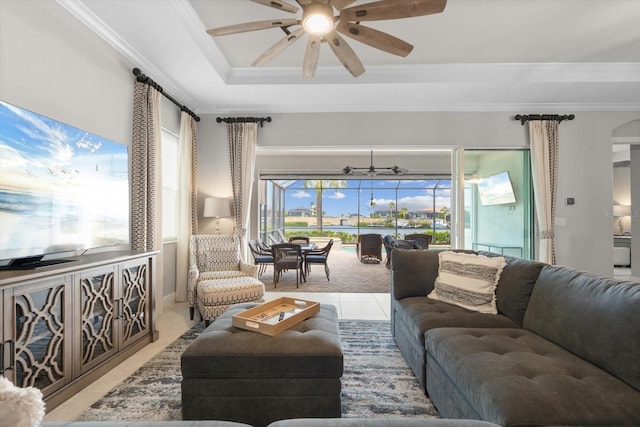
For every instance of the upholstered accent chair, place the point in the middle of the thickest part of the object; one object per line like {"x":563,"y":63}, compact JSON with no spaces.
{"x":218,"y":278}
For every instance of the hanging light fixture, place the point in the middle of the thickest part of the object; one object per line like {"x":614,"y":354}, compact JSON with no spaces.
{"x":372,"y":170}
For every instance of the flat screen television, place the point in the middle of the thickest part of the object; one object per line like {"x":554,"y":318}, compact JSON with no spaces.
{"x":496,"y":190}
{"x":61,"y":189}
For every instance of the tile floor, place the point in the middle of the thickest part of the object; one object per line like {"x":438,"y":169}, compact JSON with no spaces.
{"x":174,"y":321}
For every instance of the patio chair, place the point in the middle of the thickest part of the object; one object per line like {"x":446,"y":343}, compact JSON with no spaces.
{"x":369,"y":248}
{"x":261,"y":257}
{"x":287,"y":256}
{"x":387,"y":241}
{"x":423,"y":240}
{"x":299,"y":239}
{"x":276,"y":236}
{"x":319,"y":256}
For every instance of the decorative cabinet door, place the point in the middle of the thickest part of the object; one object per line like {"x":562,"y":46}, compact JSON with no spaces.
{"x":134,"y":301}
{"x":5,"y":331}
{"x":98,"y":339}
{"x":40,"y":334}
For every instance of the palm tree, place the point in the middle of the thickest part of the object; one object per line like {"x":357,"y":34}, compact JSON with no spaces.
{"x":392,"y":208}
{"x":404,"y":212}
{"x":319,"y":186}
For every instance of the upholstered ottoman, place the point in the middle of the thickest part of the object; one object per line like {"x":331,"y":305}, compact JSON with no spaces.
{"x":215,"y":296}
{"x":237,"y":375}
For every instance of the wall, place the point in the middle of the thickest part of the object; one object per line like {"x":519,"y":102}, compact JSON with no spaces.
{"x":584,"y":171}
{"x":53,"y":65}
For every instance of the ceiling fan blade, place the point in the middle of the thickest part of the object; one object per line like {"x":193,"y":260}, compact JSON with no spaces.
{"x":392,"y":9}
{"x":277,"y":4}
{"x":374,"y":38}
{"x":251,"y":26}
{"x":340,"y":4}
{"x":311,"y":55}
{"x":277,"y":48}
{"x":345,"y":54}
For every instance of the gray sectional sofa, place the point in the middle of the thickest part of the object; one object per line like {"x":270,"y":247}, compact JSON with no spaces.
{"x":564,"y":348}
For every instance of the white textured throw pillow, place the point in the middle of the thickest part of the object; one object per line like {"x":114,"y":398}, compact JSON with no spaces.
{"x":468,"y":281}
{"x":20,"y":407}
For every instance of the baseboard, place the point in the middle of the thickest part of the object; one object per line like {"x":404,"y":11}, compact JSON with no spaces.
{"x":169,"y":300}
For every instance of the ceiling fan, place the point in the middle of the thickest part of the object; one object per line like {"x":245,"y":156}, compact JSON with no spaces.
{"x":319,"y":22}
{"x":373,"y":171}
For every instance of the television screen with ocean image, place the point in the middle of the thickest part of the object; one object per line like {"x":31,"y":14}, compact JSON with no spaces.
{"x":496,"y":190}
{"x":61,"y":188}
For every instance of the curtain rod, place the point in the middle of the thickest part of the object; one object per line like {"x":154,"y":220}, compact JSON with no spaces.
{"x":144,"y":79}
{"x":260,"y":120}
{"x":525,"y":118}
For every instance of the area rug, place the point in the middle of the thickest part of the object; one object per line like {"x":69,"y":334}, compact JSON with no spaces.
{"x":376,"y":382}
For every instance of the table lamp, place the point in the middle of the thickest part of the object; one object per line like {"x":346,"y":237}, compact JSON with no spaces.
{"x":621,"y":211}
{"x":217,"y":207}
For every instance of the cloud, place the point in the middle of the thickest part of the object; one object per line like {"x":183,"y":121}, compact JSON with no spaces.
{"x":87,"y":143}
{"x":337,"y":196}
{"x":54,"y":137}
{"x":301,"y":194}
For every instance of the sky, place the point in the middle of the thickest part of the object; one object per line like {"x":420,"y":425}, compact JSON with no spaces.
{"x":413,"y":195}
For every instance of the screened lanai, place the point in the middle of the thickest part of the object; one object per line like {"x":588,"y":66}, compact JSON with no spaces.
{"x":346,"y":208}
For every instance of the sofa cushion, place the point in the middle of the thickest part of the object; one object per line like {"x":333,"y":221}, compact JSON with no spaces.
{"x":468,"y":281}
{"x":420,"y":314}
{"x":514,"y":377}
{"x":595,"y":318}
{"x":515,"y":287}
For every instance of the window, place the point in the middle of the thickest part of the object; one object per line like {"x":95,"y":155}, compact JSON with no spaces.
{"x":170,"y":180}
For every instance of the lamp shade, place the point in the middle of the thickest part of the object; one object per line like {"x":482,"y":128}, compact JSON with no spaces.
{"x":217,"y":207}
{"x":621,"y":210}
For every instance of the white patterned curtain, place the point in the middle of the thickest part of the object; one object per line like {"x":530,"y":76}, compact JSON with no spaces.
{"x":242,"y":138}
{"x":187,"y":200}
{"x":543,"y":136}
{"x":146,"y":179}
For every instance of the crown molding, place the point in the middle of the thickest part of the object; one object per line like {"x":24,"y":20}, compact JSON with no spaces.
{"x":83,"y":14}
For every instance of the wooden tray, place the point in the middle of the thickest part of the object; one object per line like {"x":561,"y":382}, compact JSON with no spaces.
{"x":273,"y":317}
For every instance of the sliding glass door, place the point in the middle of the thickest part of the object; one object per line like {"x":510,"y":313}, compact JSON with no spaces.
{"x":498,"y":215}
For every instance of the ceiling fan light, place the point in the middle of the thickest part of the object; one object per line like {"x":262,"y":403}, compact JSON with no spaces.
{"x":317,"y":19}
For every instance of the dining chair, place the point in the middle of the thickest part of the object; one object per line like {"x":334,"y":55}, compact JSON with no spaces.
{"x":387,"y":242}
{"x":319,"y":256}
{"x":261,"y":257}
{"x":287,"y":256}
{"x":299,"y":239}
